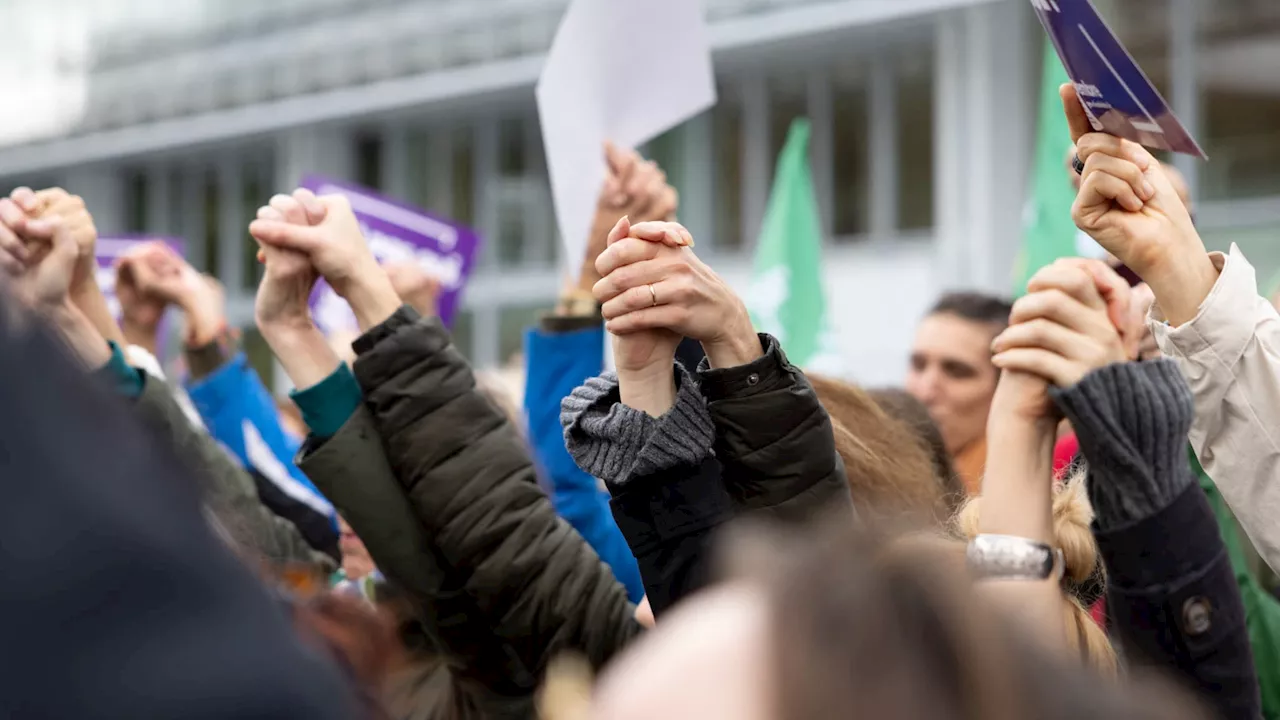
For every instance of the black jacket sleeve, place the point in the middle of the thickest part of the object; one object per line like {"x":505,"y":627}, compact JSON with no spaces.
{"x":663,"y":480}
{"x":774,"y":439}
{"x":478,"y":678}
{"x":539,"y":587}
{"x":1172,"y":596}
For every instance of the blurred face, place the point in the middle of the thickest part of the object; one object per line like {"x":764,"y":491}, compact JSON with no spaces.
{"x":951,"y":373}
{"x":708,"y":659}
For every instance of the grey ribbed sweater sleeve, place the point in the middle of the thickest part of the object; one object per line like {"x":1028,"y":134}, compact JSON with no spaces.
{"x":617,"y":443}
{"x":1132,"y":421}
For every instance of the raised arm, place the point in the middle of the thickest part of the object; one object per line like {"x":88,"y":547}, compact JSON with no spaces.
{"x":568,"y":347}
{"x":773,"y":438}
{"x":116,"y":506}
{"x":230,"y":397}
{"x":535,"y":583}
{"x":1208,"y":317}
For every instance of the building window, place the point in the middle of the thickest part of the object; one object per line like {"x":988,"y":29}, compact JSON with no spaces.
{"x":463,"y":175}
{"x":463,"y":331}
{"x":210,"y":200}
{"x":852,"y":160}
{"x":726,"y":124}
{"x":135,"y":193}
{"x":512,"y":224}
{"x":255,"y":196}
{"x":369,"y":160}
{"x":512,"y":322}
{"x":788,"y":100}
{"x":915,"y":141}
{"x":513,"y":153}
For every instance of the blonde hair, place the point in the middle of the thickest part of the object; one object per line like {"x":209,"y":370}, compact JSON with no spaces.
{"x":1084,"y":576}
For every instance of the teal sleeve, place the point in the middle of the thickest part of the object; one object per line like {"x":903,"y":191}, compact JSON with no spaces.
{"x":122,"y":377}
{"x":327,"y":405}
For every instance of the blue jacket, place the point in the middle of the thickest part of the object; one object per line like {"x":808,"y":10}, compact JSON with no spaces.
{"x":557,"y":362}
{"x":240,"y":414}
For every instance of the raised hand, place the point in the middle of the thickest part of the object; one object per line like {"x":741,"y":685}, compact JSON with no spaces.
{"x":42,"y":271}
{"x":1128,"y":203}
{"x":651,"y":281}
{"x":281,"y":307}
{"x":415,"y":286}
{"x":282,"y":299}
{"x":641,"y":350}
{"x":41,"y":267}
{"x":337,"y":250}
{"x":154,"y":273}
{"x":1062,"y":329}
{"x":70,"y":209}
{"x":635,"y":188}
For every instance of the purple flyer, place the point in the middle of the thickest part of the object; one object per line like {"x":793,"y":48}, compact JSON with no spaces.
{"x":397,"y":232}
{"x":1116,"y":94}
{"x":108,"y":252}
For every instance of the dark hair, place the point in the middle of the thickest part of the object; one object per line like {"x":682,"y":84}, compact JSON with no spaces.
{"x":895,"y":630}
{"x":975,"y":307}
{"x":900,"y":405}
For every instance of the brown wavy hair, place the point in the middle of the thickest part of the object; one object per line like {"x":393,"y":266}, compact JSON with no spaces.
{"x":889,"y":469}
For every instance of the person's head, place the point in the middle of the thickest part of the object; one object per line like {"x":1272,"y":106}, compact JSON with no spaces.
{"x":951,"y":371}
{"x":357,"y":637}
{"x":1084,"y":580}
{"x":887,"y":464}
{"x":899,"y":404}
{"x":850,"y":628}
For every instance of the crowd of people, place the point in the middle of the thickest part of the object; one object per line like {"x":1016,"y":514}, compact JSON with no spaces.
{"x":1038,"y":525}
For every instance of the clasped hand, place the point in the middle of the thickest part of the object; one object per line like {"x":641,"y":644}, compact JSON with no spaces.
{"x":1071,"y":322}
{"x":654,"y":291}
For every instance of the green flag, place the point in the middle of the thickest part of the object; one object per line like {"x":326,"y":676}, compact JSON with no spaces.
{"x":1049,"y":232}
{"x":786,"y":298}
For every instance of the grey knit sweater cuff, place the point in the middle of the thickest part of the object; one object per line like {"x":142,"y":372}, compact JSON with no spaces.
{"x":1132,"y":421}
{"x":617,"y":443}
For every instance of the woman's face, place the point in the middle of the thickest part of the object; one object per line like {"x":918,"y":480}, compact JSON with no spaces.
{"x":707,"y":659}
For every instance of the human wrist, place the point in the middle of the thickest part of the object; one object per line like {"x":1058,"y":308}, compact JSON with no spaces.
{"x":1182,"y":286}
{"x":144,"y":335}
{"x":303,"y":352}
{"x":736,"y":349}
{"x":89,"y":299}
{"x":371,"y":296}
{"x":79,"y":333}
{"x":205,"y":318}
{"x":650,"y":389}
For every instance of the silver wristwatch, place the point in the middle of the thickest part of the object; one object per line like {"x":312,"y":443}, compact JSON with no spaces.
{"x":1005,"y":557}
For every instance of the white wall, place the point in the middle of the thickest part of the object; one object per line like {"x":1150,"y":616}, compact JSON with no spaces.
{"x":875,"y":296}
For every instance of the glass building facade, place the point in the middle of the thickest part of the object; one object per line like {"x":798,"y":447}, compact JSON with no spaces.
{"x":183,"y":116}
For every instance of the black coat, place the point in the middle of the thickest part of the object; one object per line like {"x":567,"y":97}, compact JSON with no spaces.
{"x":775,"y":458}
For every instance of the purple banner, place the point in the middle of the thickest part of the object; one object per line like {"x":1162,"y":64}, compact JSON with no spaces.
{"x":1116,"y":94}
{"x":397,"y":232}
{"x":108,"y":252}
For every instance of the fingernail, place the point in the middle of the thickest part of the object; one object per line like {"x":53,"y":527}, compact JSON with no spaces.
{"x":1148,"y":190}
{"x":1142,"y":159}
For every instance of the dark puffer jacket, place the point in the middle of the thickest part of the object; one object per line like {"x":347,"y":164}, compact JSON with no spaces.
{"x":442,"y":491}
{"x":747,"y":441}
